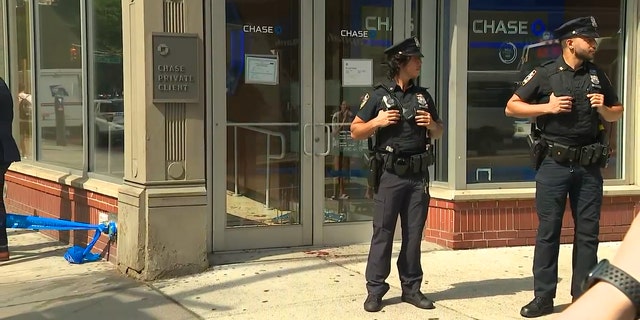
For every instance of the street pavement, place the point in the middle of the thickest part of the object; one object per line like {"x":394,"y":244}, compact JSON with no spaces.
{"x":298,"y":283}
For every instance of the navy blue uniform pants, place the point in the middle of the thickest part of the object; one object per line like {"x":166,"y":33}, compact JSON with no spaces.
{"x":584,"y":187}
{"x":409,"y":198}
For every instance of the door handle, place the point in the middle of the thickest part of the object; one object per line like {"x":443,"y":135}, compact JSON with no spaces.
{"x":304,"y":139}
{"x":328,"y":144}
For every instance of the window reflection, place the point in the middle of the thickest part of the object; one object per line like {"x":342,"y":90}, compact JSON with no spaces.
{"x":506,"y":41}
{"x":59,"y":78}
{"x":106,"y":120}
{"x":22,"y":64}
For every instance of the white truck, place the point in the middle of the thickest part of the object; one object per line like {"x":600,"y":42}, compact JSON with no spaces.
{"x":65,"y":83}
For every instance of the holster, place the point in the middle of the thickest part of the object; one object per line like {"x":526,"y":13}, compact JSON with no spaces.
{"x":537,"y":149}
{"x":376,"y":165}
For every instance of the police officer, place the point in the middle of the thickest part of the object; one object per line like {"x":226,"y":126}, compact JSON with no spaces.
{"x":403,"y":118}
{"x":569,"y":97}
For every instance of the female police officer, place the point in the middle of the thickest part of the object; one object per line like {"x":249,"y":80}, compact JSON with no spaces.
{"x":404,"y":119}
{"x":567,"y":96}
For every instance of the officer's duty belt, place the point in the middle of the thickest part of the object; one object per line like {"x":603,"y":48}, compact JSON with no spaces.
{"x":413,"y":165}
{"x":591,"y":154}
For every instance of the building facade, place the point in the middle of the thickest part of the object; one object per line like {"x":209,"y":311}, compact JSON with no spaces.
{"x":209,"y":126}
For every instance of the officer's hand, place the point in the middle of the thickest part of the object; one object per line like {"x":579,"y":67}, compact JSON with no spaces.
{"x":423,"y":118}
{"x":597,"y":100}
{"x":560,"y":104}
{"x":387,"y":118}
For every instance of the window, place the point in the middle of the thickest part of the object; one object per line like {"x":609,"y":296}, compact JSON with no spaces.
{"x":507,"y":40}
{"x":59,"y":92}
{"x":106,"y":117}
{"x":58,"y":112}
{"x":21,"y":68}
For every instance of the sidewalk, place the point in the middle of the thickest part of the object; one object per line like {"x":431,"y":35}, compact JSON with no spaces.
{"x":319,"y":283}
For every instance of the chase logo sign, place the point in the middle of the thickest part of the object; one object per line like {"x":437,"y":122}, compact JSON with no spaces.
{"x":520,"y":27}
{"x":358,"y":33}
{"x":248,"y":28}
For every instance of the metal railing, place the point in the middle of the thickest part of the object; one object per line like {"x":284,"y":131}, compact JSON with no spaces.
{"x":269,"y":133}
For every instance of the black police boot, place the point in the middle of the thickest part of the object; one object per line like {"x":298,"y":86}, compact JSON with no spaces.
{"x":538,"y":307}
{"x":418,"y":299}
{"x":373,"y":303}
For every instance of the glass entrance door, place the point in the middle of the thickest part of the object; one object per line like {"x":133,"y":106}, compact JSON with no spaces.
{"x":351,"y":36}
{"x":263,"y":125}
{"x":287,"y":172}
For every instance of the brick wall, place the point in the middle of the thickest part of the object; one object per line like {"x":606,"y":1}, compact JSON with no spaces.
{"x":498,"y":223}
{"x":456,"y":225}
{"x":34,"y":196}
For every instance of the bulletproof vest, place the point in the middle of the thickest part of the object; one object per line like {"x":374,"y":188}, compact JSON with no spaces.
{"x":405,"y":136}
{"x":581,"y":124}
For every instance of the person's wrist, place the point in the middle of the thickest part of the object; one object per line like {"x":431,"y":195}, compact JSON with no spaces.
{"x":377,"y":124}
{"x":617,"y":302}
{"x":611,"y":279}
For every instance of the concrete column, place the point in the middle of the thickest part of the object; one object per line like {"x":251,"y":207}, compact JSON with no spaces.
{"x":162,"y":206}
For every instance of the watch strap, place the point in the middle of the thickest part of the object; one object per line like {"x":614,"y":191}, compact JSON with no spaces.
{"x":621,"y":280}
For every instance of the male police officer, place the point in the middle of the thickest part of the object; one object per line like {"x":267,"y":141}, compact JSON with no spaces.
{"x":568,"y":97}
{"x":403,"y":118}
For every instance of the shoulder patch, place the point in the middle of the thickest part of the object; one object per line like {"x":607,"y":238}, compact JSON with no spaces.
{"x":364,"y":100}
{"x":529,"y":77}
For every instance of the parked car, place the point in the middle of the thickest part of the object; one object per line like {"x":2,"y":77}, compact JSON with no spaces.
{"x":109,"y":121}
{"x":488,"y":126}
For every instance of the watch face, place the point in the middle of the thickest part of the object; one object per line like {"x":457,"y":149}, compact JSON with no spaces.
{"x":599,"y":267}
{"x":589,"y":281}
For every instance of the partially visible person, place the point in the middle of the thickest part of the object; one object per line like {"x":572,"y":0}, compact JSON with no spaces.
{"x":571,"y":98}
{"x":341,"y":123}
{"x":8,"y":153}
{"x":25,"y":115}
{"x":617,"y":297}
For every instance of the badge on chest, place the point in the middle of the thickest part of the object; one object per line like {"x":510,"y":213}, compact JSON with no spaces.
{"x":595,"y":81}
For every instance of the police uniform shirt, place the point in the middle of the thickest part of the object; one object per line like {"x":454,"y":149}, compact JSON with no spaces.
{"x":578,"y":127}
{"x":405,"y":135}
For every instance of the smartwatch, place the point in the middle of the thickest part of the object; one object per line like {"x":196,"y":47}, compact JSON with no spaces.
{"x":605,"y":271}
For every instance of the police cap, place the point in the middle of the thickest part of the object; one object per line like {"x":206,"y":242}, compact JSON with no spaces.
{"x":407,"y":47}
{"x":579,"y":27}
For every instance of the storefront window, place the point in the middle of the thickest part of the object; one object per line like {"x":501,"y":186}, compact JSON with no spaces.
{"x":59,"y":91}
{"x":106,"y":119}
{"x":506,"y":41}
{"x":21,"y":68}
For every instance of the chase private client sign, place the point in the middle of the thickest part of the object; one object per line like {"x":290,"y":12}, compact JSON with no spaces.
{"x":175,"y":68}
